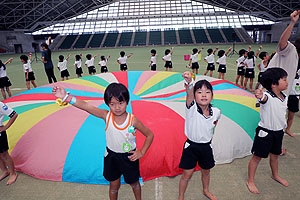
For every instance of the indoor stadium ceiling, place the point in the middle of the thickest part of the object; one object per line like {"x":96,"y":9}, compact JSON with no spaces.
{"x":32,"y":15}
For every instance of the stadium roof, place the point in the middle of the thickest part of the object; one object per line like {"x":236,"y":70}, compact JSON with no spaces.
{"x":33,"y":15}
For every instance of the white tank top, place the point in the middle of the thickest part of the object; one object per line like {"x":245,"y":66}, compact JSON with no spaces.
{"x":120,"y":138}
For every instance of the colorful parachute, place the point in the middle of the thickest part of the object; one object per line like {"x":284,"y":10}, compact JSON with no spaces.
{"x":58,"y":143}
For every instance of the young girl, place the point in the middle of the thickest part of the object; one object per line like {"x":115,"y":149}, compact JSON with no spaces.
{"x":263,"y":65}
{"x":62,"y":66}
{"x":210,"y":60}
{"x":103,"y":63}
{"x":78,"y":65}
{"x":201,"y":119}
{"x":152,"y":64}
{"x":90,"y":64}
{"x":194,"y":60}
{"x":168,"y":59}
{"x":122,"y":60}
{"x":241,"y":66}
{"x":29,"y":75}
{"x":4,"y":80}
{"x":250,"y":64}
{"x":222,"y":62}
{"x":121,"y":156}
{"x":269,"y":133}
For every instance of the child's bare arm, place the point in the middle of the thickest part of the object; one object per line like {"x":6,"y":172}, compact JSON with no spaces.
{"x":258,"y":66}
{"x":108,"y":57}
{"x":67,"y":58}
{"x":118,"y":62}
{"x":30,"y":56}
{"x":216,"y":50}
{"x":9,"y":123}
{"x":249,"y":48}
{"x":96,"y":55}
{"x":228,"y":51}
{"x":129,"y":55}
{"x":190,"y":62}
{"x":8,"y":61}
{"x":261,"y":96}
{"x":49,"y":41}
{"x":258,"y":51}
{"x":200,"y":49}
{"x":172,"y":50}
{"x":189,"y":87}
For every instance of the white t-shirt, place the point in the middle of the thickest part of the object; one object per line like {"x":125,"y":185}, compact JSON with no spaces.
{"x":78,"y":63}
{"x":194,"y":58}
{"x":27,"y":66}
{"x":199,"y":128}
{"x":250,"y":63}
{"x":5,"y":110}
{"x":118,"y":135}
{"x":90,"y":63}
{"x":288,"y":60}
{"x":167,"y":57}
{"x":62,"y":65}
{"x":272,"y":113}
{"x":153,"y":60}
{"x":102,"y":63}
{"x":122,"y":60}
{"x":210,"y":58}
{"x":2,"y":72}
{"x":240,"y":61}
{"x":262,"y":66}
{"x":222,"y":60}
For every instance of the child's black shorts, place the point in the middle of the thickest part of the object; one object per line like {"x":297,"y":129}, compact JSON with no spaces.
{"x":168,"y":64}
{"x":3,"y":142}
{"x":195,"y":65}
{"x":79,"y":70}
{"x":92,"y":69}
{"x":153,"y":67}
{"x":104,"y":69}
{"x":241,"y":71}
{"x":259,"y":77}
{"x":266,"y":141}
{"x":222,"y":68}
{"x":123,"y":67}
{"x":210,"y":66}
{"x":249,"y":73}
{"x":4,"y":82}
{"x":293,"y":103}
{"x":197,"y":152}
{"x":30,"y":76}
{"x":64,"y":73}
{"x":116,"y":164}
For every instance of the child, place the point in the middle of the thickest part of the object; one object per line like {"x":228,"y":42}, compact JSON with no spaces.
{"x":122,"y":60}
{"x":269,"y":133}
{"x":6,"y":163}
{"x":197,"y":148}
{"x":102,"y":64}
{"x":152,"y":64}
{"x":29,"y":75}
{"x":62,"y":66}
{"x":250,"y":64}
{"x":263,"y":65}
{"x":194,"y":60}
{"x":210,"y":60}
{"x":90,"y":64}
{"x":167,"y":59}
{"x":4,"y":80}
{"x":121,"y":156}
{"x":241,"y":66}
{"x":78,"y":66}
{"x":222,"y":62}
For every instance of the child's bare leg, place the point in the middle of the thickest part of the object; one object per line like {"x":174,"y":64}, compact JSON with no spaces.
{"x":67,"y":78}
{"x":242,"y":81}
{"x":28,"y":85}
{"x":114,"y":187}
{"x":196,"y":71}
{"x":3,"y":93}
{"x":205,"y":177}
{"x":170,"y":69}
{"x":4,"y":171}
{"x":5,"y":157}
{"x":245,"y":83}
{"x":211,"y":72}
{"x":166,"y":69}
{"x":223,"y":76}
{"x":253,"y":163}
{"x":184,"y":180}
{"x":33,"y":83}
{"x":8,"y":91}
{"x":274,"y":168}
{"x":205,"y":72}
{"x":219,"y":75}
{"x":62,"y":79}
{"x":237,"y":80}
{"x":136,"y":188}
{"x":290,"y":120}
{"x":251,"y":85}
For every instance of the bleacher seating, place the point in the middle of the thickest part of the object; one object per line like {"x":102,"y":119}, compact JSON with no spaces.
{"x":228,"y":34}
{"x":170,"y":37}
{"x":110,"y":40}
{"x":185,"y":37}
{"x":125,"y":39}
{"x":82,"y":40}
{"x":215,"y":36}
{"x":200,"y":36}
{"x":155,"y":38}
{"x":67,"y":43}
{"x":140,"y":38}
{"x":96,"y":40}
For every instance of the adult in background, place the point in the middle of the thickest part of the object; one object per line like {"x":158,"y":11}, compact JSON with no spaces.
{"x":46,"y":58}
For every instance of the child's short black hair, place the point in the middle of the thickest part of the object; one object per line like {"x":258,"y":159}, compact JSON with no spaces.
{"x":271,"y":77}
{"x":262,"y":55}
{"x":122,"y":53}
{"x":195,"y":50}
{"x":78,"y":57}
{"x":153,"y":51}
{"x":102,"y":57}
{"x":61,"y":58}
{"x":167,"y":51}
{"x":2,"y":65}
{"x":117,"y":90}
{"x":44,"y":45}
{"x":24,"y":57}
{"x":250,"y":54}
{"x":209,"y":51}
{"x":200,"y":84}
{"x":221,"y":53}
{"x":242,"y":52}
{"x":88,"y":56}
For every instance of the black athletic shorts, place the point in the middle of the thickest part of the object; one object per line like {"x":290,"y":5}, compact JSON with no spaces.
{"x":249,"y":73}
{"x":123,"y":67}
{"x":241,"y":71}
{"x":195,"y":65}
{"x":259,"y":76}
{"x":64,"y":73}
{"x":4,"y":82}
{"x":293,"y":103}
{"x":210,"y":67}
{"x":79,"y":71}
{"x":153,"y":67}
{"x":3,"y":142}
{"x":104,"y":69}
{"x":30,"y":76}
{"x":222,"y":68}
{"x":168,"y":64}
{"x":92,"y":69}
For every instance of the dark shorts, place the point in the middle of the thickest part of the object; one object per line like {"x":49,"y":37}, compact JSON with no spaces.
{"x":153,"y":67}
{"x":222,"y":68}
{"x":123,"y":67}
{"x":3,"y":142}
{"x":249,"y":73}
{"x":79,"y":70}
{"x":168,"y":64}
{"x":104,"y":69}
{"x":241,"y":71}
{"x":197,"y":152}
{"x":30,"y":76}
{"x":259,"y":77}
{"x":116,"y":164}
{"x":92,"y":69}
{"x":4,"y":82}
{"x":64,"y":73}
{"x":266,"y":141}
{"x":293,"y":103}
{"x":210,"y":67}
{"x":195,"y":65}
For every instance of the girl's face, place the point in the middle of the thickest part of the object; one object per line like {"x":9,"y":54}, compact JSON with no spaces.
{"x":117,"y":107}
{"x":203,"y":96}
{"x":282,"y":84}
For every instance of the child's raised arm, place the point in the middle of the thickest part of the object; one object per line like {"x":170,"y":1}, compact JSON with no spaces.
{"x":48,"y":41}
{"x":8,"y":61}
{"x":129,"y":55}
{"x":258,"y":51}
{"x":261,"y":96}
{"x":108,"y":57}
{"x":172,"y":50}
{"x":249,"y":48}
{"x":29,"y":55}
{"x":67,"y":58}
{"x":228,"y":51}
{"x":188,"y":83}
{"x":61,"y":93}
{"x":200,"y":49}
{"x":216,"y":50}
